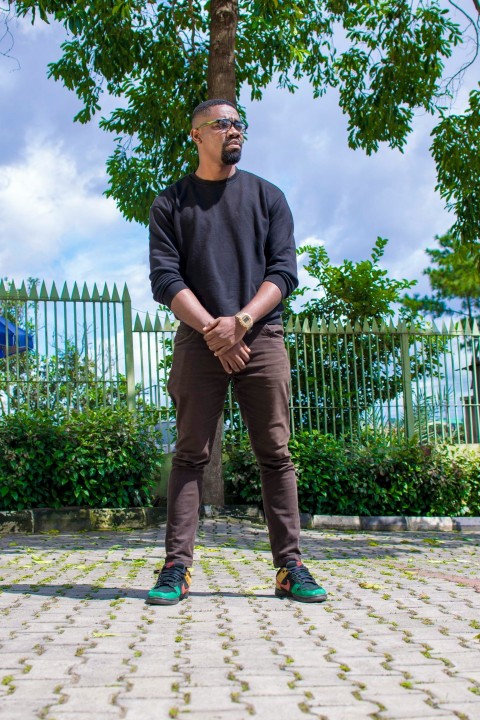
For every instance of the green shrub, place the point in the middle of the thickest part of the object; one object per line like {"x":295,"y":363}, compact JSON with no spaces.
{"x":372,"y":477}
{"x":103,"y":458}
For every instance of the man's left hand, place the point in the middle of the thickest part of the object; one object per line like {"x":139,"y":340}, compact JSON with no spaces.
{"x":222,"y":334}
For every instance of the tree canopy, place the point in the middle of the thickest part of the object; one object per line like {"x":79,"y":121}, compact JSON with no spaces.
{"x":454,"y":276}
{"x":160,"y":58}
{"x":353,"y":292}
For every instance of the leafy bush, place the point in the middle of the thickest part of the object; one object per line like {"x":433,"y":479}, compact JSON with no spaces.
{"x":103,"y":458}
{"x":372,"y":477}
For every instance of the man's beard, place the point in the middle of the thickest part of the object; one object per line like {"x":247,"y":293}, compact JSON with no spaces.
{"x":231,"y":156}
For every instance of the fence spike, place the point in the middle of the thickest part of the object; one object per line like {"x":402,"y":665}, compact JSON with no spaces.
{"x":348,"y":328}
{"x":157,"y":325}
{"x":3,"y":290}
{"x":137,"y":326}
{"x":434,"y":328}
{"x":306,"y":326}
{"x":115,"y":294}
{"x":357,"y":328}
{"x":148,"y":324}
{"x":323,"y":327}
{"x":475,"y":330}
{"x":375,"y":328}
{"x":65,"y":294}
{"x":125,"y":294}
{"x":331,"y":327}
{"x":298,"y":326}
{"x":75,"y":292}
{"x":105,"y":294}
{"x":467,"y":327}
{"x":22,"y":293}
{"x":365,"y":326}
{"x":85,"y":293}
{"x":315,"y":326}
{"x":12,"y":289}
{"x":44,"y":292}
{"x":289,"y":325}
{"x":168,"y":327}
{"x":33,"y":294}
{"x":54,"y":292}
{"x":95,"y":294}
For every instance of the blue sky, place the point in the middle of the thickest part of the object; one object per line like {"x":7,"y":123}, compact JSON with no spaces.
{"x":55,"y":223}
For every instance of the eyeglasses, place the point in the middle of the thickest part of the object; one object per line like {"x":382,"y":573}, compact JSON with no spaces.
{"x":224,"y":124}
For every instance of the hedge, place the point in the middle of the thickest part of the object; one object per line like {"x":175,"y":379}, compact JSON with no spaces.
{"x":373,"y":477}
{"x":103,"y":458}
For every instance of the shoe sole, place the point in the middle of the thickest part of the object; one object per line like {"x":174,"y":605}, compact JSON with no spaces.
{"x":162,"y":601}
{"x":282,"y":594}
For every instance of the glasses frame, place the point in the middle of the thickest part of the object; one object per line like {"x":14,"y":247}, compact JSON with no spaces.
{"x":233,"y":123}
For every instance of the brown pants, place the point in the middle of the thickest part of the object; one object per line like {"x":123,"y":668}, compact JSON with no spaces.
{"x":198,"y":387}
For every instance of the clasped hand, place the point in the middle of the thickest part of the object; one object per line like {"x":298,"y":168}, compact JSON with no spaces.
{"x":224,"y":337}
{"x":222,"y":334}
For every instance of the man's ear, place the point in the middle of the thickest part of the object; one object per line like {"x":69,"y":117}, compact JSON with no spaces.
{"x":195,"y":136}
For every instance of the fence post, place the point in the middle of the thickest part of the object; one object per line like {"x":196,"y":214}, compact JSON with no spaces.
{"x":406,"y":381}
{"x":128,"y":338}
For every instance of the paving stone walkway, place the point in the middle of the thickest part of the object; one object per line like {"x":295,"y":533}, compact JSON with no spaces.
{"x":398,"y":638}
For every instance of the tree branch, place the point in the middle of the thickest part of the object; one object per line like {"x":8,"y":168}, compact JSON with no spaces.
{"x":477,"y":38}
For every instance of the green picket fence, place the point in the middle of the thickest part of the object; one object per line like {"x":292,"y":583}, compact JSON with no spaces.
{"x":86,"y":350}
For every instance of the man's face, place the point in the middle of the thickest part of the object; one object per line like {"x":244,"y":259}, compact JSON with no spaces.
{"x":214,"y":140}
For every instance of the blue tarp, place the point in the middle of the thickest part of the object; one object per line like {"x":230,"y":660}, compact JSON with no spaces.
{"x":13,"y":339}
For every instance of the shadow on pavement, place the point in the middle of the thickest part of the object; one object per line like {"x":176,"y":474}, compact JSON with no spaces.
{"x":90,"y":592}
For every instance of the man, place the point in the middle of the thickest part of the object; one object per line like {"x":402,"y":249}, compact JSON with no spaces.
{"x":222,"y":257}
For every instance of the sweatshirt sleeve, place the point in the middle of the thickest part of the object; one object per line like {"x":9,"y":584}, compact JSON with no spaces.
{"x":165,"y":257}
{"x":281,"y":267}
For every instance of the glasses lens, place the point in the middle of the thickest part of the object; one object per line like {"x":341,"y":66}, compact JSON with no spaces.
{"x":240,"y":126}
{"x":223,"y":124}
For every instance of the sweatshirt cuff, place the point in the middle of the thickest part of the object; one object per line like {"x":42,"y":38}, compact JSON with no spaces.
{"x":172,"y":290}
{"x":279,"y":281}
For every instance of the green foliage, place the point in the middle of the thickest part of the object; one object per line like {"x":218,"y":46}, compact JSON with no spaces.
{"x":343,"y":373}
{"x":353,"y":291}
{"x":101,"y":458}
{"x":370,"y":477}
{"x":385,"y":60}
{"x":454,"y":274}
{"x":456,"y":151}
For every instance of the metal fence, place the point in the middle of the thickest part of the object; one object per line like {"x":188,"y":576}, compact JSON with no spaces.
{"x":76,"y":350}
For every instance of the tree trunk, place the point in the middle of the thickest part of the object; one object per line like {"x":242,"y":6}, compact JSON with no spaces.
{"x":221,"y":84}
{"x":221,"y":59}
{"x":213,"y":486}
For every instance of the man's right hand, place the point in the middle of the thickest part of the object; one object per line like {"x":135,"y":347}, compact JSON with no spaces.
{"x":235,"y":359}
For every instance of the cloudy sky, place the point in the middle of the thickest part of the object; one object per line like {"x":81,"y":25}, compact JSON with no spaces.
{"x":55,"y":223}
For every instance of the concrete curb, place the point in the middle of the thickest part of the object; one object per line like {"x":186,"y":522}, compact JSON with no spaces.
{"x":44,"y":520}
{"x":41,"y":520}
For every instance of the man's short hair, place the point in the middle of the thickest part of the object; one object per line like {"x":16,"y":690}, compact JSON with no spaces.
{"x":204,"y":106}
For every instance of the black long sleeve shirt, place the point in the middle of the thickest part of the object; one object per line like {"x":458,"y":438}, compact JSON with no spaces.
{"x":222,"y":239}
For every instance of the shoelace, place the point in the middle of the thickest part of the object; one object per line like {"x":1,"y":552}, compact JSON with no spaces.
{"x":170,"y":576}
{"x":302,"y":575}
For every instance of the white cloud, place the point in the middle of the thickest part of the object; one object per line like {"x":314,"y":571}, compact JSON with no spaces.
{"x":55,"y":227}
{"x":45,"y":201}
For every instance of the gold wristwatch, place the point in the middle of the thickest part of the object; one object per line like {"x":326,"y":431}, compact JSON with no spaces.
{"x":245,"y":320}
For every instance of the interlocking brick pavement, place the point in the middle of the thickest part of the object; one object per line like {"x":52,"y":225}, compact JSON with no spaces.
{"x":399,"y":637}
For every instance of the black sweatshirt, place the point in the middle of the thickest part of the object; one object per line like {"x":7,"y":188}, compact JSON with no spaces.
{"x":222,"y":239}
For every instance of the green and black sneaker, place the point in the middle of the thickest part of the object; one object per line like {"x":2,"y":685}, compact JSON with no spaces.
{"x":294,"y":581}
{"x":173,"y":585}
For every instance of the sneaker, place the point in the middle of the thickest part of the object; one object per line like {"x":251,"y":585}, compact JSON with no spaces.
{"x":294,"y":581}
{"x":173,"y":585}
